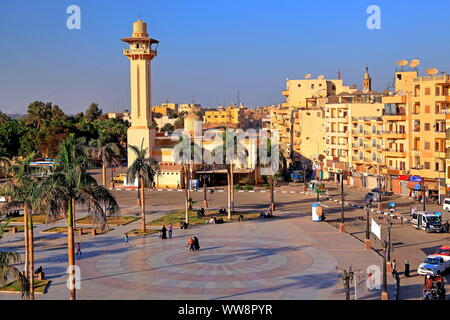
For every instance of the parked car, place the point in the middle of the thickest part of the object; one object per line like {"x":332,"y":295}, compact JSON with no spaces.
{"x":444,"y":252}
{"x":120,"y":178}
{"x":433,"y":265}
{"x":384,"y":192}
{"x":3,"y":199}
{"x":446,"y":205}
{"x":375,"y":197}
{"x":428,"y":221}
{"x":297,"y":176}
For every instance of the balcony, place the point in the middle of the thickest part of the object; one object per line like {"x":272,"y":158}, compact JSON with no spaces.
{"x":394,"y":153}
{"x":394,"y":134}
{"x":442,"y":98}
{"x":440,"y":154}
{"x":394,"y":100}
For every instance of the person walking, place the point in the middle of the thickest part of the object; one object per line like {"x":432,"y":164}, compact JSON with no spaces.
{"x":126,"y":239}
{"x":78,"y":249}
{"x":164,"y":232}
{"x":394,"y":267}
{"x":190,"y":244}
{"x":196,"y":243}
{"x":170,"y":228}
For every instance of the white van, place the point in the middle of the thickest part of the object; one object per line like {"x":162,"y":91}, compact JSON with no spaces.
{"x":446,"y":205}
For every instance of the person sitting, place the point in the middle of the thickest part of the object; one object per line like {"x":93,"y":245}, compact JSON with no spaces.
{"x":202,"y":212}
{"x":183,"y":225}
{"x":212,"y":220}
{"x":220,"y":220}
{"x":38,"y":270}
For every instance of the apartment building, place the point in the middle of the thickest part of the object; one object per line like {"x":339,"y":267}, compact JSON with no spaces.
{"x":231,"y":116}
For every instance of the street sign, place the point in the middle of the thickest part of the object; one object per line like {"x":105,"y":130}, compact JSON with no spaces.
{"x":360,"y":284}
{"x":376,"y":229}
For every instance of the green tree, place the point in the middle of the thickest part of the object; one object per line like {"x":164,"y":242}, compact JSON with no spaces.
{"x":167,"y":128}
{"x":93,"y":112}
{"x":144,"y":169}
{"x":7,"y":268}
{"x":70,"y":184}
{"x":107,"y":153}
{"x":39,"y":114}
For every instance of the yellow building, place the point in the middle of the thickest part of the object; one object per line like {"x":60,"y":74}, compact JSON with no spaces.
{"x":140,"y":53}
{"x":298,"y":92}
{"x":189,"y":108}
{"x":165,"y":107}
{"x":230,"y":116}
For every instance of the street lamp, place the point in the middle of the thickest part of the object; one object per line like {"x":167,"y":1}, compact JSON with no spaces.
{"x":367,"y":243}
{"x":342,"y":224}
{"x":386,"y":258}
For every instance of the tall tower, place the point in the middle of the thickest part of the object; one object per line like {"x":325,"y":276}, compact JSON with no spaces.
{"x":140,"y":54}
{"x":367,"y":81}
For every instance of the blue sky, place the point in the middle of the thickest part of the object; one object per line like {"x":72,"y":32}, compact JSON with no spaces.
{"x":208,"y":49}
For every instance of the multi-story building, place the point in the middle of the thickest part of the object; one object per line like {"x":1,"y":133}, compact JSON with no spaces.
{"x":231,"y":116}
{"x":189,"y":108}
{"x":164,"y":108}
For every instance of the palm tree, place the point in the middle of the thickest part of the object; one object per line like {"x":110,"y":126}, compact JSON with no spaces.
{"x":107,"y":153}
{"x":7,"y":268}
{"x":239,"y":151}
{"x":24,"y":193}
{"x":70,"y":184}
{"x":5,"y":164}
{"x":144,"y":169}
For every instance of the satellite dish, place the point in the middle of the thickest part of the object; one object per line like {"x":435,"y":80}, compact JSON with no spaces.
{"x":402,"y":63}
{"x":431,"y":71}
{"x":414,"y":63}
{"x":321,"y":77}
{"x":308,"y":76}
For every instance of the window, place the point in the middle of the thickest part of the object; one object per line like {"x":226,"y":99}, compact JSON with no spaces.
{"x":427,"y":109}
{"x":427,"y":146}
{"x":299,"y":85}
{"x":427,"y":127}
{"x":427,"y":165}
{"x":437,"y":166}
{"x":427,"y":91}
{"x":374,"y":156}
{"x":312,"y":86}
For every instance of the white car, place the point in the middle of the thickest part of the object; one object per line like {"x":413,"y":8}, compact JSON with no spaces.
{"x":2,"y":199}
{"x":446,"y":205}
{"x":433,"y":265}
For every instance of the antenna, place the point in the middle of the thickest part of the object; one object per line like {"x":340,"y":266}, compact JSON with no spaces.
{"x":339,"y":74}
{"x":432,"y":71}
{"x":308,"y":76}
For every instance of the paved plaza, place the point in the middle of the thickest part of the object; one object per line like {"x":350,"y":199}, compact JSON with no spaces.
{"x":289,"y":257}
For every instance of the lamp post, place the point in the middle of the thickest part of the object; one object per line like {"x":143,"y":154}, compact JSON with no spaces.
{"x":379,"y":187}
{"x":424,"y":190}
{"x":384,"y":292}
{"x":342,"y":224}
{"x":367,"y":243}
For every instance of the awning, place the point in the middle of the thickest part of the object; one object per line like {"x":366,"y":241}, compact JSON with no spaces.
{"x":414,"y":186}
{"x":431,"y":186}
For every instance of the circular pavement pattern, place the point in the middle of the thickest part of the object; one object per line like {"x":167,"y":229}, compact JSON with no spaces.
{"x":222,"y":267}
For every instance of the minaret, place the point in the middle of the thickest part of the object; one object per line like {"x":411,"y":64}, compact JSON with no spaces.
{"x":140,"y":54}
{"x":367,"y":82}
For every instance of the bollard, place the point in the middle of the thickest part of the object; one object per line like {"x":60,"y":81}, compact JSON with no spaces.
{"x":406,"y":268}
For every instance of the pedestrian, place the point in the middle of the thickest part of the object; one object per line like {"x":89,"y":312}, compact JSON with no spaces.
{"x":196,"y":243}
{"x":164,"y":232}
{"x":126,"y":239}
{"x":78,"y":249}
{"x":170,"y":230}
{"x":394,"y":267}
{"x":190,"y":244}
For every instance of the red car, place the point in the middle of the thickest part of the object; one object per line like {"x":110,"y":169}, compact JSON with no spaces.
{"x":444,"y":252}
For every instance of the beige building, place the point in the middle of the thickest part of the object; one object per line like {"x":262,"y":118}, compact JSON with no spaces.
{"x":189,"y":108}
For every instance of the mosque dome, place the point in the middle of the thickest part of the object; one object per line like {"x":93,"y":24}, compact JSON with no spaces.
{"x":140,"y":29}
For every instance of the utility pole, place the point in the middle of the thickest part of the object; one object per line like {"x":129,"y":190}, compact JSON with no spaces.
{"x":347,"y":276}
{"x":388,"y":255}
{"x":379,"y":187}
{"x":367,"y":243}
{"x":384,"y":292}
{"x":424,"y":198}
{"x":342,"y":225}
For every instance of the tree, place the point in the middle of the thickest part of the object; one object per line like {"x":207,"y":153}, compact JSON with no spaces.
{"x":24,"y":192}
{"x":39,"y":114}
{"x":107,"y":153}
{"x":7,"y":268}
{"x":93,"y":112}
{"x":3,"y":118}
{"x":179,"y":123}
{"x":167,"y":128}
{"x":144,"y":169}
{"x":70,"y":184}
